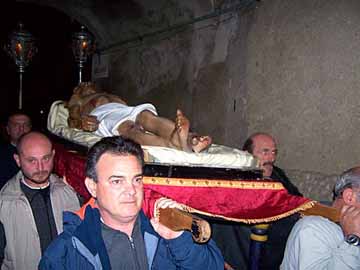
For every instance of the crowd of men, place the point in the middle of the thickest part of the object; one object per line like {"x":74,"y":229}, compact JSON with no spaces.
{"x":44,"y":226}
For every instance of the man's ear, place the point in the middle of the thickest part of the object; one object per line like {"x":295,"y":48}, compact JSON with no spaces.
{"x":17,"y":159}
{"x":349,"y":196}
{"x":91,"y":186}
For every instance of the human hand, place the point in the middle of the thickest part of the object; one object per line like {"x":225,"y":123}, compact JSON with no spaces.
{"x":89,"y":123}
{"x":350,"y":220}
{"x":162,"y":230}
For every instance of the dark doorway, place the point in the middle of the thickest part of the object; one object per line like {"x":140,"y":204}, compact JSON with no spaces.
{"x":52,"y":74}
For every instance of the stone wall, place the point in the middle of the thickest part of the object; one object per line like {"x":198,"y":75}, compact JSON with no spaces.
{"x":303,"y":78}
{"x":313,"y":185}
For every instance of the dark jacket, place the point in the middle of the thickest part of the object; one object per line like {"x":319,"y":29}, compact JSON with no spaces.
{"x":8,"y":166}
{"x":234,"y":238}
{"x":81,"y":246}
{"x":279,"y":175}
{"x":278,"y":232}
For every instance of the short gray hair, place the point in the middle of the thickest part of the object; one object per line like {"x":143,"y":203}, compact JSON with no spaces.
{"x":348,"y":179}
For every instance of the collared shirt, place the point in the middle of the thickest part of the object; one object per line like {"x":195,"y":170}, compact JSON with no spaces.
{"x":125,"y":252}
{"x":40,"y":202}
{"x":318,"y":243}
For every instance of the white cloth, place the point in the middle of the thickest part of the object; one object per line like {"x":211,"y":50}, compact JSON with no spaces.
{"x":112,"y":115}
{"x":218,"y":156}
{"x":318,"y":243}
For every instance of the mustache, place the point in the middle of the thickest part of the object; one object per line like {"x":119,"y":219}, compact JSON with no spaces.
{"x":40,"y":173}
{"x":268,"y":163}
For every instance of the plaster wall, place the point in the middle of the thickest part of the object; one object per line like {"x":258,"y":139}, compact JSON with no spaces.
{"x":303,"y":81}
{"x":199,"y":69}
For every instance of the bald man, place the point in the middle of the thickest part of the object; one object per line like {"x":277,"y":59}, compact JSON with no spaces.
{"x":263,"y":146}
{"x":31,"y":204}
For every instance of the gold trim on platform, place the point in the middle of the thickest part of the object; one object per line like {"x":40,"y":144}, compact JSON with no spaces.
{"x":302,"y":207}
{"x":185,"y":182}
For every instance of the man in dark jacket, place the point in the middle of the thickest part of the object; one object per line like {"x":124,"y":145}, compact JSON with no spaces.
{"x":263,"y":146}
{"x":17,"y":125}
{"x":111,"y":232}
{"x":236,"y":252}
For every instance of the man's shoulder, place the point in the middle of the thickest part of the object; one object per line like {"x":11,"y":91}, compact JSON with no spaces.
{"x":316,"y":224}
{"x":279,"y":175}
{"x":12,"y":186}
{"x":59,"y":248}
{"x":7,"y":146}
{"x":59,"y":183}
{"x":279,"y":171}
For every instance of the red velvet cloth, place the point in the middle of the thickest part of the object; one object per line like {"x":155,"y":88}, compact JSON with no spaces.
{"x":72,"y":166}
{"x":250,"y":201}
{"x":251,"y":204}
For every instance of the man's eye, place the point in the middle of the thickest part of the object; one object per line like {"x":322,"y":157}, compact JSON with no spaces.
{"x":115,"y":181}
{"x":138,"y":180}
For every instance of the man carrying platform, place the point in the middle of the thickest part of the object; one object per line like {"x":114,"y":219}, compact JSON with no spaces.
{"x":317,"y":243}
{"x":111,"y":231}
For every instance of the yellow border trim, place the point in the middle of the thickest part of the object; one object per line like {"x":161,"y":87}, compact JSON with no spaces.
{"x":185,"y":182}
{"x":262,"y":226}
{"x":302,"y":207}
{"x":259,"y":238}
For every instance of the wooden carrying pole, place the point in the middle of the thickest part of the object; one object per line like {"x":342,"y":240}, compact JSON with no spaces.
{"x":179,"y":220}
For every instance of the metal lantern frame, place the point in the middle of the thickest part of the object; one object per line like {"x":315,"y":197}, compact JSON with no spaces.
{"x":83,"y":46}
{"x":21,"y":48}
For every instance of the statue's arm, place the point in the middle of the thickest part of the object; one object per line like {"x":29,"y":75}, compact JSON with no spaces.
{"x":81,"y":121}
{"x":74,"y":120}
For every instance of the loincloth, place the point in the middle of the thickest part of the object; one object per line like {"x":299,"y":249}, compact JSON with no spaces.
{"x":112,"y":115}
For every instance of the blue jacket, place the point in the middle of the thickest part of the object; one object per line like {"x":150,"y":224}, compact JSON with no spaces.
{"x":81,"y":246}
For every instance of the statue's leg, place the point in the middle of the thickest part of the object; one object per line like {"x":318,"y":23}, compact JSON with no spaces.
{"x":158,"y":125}
{"x":133,"y":131}
{"x":175,"y":132}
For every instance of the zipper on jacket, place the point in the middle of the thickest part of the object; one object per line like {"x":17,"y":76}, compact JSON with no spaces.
{"x":131,"y":242}
{"x":135,"y":257}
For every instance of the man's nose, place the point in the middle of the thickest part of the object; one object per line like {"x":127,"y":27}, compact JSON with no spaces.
{"x":40,"y":165}
{"x":270,"y":156}
{"x":21,"y":128}
{"x":130,"y":188}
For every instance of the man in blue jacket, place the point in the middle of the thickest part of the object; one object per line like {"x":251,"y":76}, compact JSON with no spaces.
{"x":111,"y":231}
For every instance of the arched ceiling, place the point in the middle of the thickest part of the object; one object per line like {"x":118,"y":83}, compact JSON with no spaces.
{"x":113,"y":21}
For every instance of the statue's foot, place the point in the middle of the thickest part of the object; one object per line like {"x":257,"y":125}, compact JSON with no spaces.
{"x":200,"y":143}
{"x":181,"y":132}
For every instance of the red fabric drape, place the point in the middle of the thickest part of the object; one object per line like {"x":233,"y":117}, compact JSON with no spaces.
{"x":250,"y":201}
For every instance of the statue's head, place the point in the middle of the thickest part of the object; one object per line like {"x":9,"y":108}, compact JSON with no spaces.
{"x":85,"y":88}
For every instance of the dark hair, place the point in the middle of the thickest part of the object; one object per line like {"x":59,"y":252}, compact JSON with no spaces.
{"x":16,"y":113}
{"x":249,"y":143}
{"x":116,"y":145}
{"x":348,"y":179}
